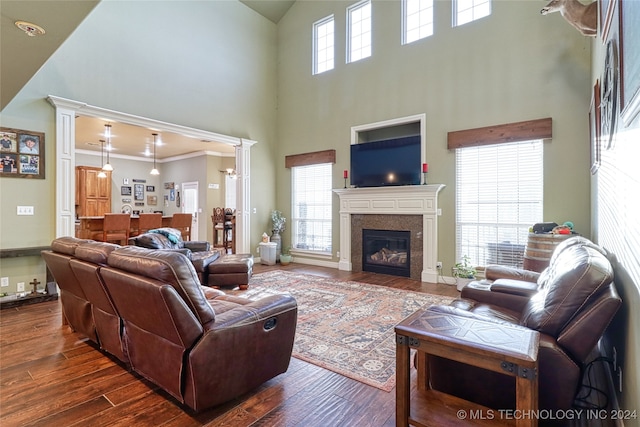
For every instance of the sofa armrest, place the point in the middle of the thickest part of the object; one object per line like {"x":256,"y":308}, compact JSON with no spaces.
{"x":485,"y":293}
{"x":515,"y":287}
{"x":494,"y":272}
{"x":254,"y":311}
{"x":198,"y":245}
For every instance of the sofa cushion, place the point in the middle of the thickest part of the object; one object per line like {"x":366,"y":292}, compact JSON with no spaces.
{"x":152,"y":241}
{"x":174,"y":235}
{"x":577,"y":273}
{"x":95,"y":252}
{"x":170,"y":267}
{"x":66,"y":245}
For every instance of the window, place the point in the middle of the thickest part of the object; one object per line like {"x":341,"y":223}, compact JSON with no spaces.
{"x":359,"y":31}
{"x":323,"y":41}
{"x":311,"y":216}
{"x":417,"y":20}
{"x":470,"y":10}
{"x":498,"y":197}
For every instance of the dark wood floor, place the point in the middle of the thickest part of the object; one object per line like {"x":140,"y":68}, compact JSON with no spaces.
{"x":50,"y":376}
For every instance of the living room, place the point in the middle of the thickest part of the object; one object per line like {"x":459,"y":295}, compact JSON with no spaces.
{"x":222,"y":67}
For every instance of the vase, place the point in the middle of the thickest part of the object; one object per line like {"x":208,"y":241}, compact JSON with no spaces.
{"x":275,"y":238}
{"x":285,"y":259}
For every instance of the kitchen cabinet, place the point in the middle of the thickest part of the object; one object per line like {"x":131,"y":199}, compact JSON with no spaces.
{"x":93,"y":194}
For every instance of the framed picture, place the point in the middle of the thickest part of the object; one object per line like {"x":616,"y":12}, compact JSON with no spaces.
{"x":594,"y":126}
{"x":172,"y":194}
{"x":138,"y":192}
{"x":152,"y":200}
{"x":629,"y":16}
{"x":169,"y":185}
{"x":606,"y":14}
{"x":125,"y":181}
{"x":21,"y":154}
{"x":151,"y":189}
{"x":125,"y":190}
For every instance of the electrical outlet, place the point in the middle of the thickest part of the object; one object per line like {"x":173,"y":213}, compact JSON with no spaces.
{"x":439,"y":265}
{"x":5,"y":281}
{"x":615,"y":359}
{"x":20,"y":287}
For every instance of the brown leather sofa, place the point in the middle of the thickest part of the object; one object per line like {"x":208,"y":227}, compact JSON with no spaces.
{"x":570,"y":303}
{"x":199,"y":252}
{"x":148,"y":308}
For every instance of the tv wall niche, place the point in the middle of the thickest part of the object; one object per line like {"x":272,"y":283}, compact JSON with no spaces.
{"x":388,"y":153}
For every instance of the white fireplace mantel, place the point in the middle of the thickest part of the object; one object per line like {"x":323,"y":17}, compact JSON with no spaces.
{"x":401,"y":200}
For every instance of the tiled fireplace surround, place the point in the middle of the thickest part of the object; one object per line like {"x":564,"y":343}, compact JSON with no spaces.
{"x":413,"y":208}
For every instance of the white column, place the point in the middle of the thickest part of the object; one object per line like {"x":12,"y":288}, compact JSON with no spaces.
{"x":243,"y":196}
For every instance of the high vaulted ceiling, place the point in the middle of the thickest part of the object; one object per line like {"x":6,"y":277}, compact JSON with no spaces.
{"x":21,"y":56}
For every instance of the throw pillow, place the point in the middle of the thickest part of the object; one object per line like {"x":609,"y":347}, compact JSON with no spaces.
{"x":172,"y":234}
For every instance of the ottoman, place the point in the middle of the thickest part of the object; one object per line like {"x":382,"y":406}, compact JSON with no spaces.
{"x":231,"y":270}
{"x":201,"y":261}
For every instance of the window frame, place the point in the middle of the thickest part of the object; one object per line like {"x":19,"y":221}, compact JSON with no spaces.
{"x":405,"y":17}
{"x":509,"y":251}
{"x":352,"y":8}
{"x":315,"y":44}
{"x":295,"y":219}
{"x":455,"y":13}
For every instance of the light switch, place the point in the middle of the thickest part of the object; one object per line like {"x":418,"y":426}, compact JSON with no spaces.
{"x":25,"y":210}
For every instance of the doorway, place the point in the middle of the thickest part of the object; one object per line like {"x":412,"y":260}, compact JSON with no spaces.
{"x":190,"y":205}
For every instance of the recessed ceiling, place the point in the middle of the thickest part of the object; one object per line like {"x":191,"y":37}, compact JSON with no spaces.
{"x":135,"y":141}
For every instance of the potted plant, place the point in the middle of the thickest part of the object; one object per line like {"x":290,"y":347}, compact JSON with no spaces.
{"x":285,"y":257}
{"x":464,"y":272}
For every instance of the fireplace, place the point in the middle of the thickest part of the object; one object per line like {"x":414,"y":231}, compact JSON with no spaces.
{"x":386,"y":252}
{"x":391,"y":208}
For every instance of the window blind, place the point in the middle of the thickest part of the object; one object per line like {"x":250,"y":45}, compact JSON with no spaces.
{"x":499,"y":195}
{"x":311,"y":216}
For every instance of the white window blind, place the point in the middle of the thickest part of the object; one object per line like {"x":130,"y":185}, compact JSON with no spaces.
{"x":311,"y":216}
{"x":323,"y":45}
{"x":359,"y":31}
{"x":417,"y":20}
{"x":498,"y":197}
{"x":466,"y":11}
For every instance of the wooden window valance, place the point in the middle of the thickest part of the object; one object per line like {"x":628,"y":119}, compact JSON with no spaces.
{"x":512,"y":132}
{"x":306,"y":159}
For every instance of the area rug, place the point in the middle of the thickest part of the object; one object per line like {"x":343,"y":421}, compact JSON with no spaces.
{"x":344,"y":326}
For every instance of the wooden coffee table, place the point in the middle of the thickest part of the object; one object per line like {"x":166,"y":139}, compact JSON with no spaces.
{"x":508,"y":349}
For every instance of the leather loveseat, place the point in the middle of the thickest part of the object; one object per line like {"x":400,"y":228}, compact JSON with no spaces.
{"x":148,"y":308}
{"x":570,"y":304}
{"x":215,"y":267}
{"x":166,"y":238}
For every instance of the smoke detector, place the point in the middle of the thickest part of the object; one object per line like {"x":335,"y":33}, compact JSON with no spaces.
{"x":30,"y":29}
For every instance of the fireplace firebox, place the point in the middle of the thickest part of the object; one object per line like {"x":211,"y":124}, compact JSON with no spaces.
{"x":386,"y":252}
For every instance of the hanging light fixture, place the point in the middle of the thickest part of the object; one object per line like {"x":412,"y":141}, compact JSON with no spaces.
{"x":101,"y":174}
{"x":107,"y":134}
{"x":154,"y":171}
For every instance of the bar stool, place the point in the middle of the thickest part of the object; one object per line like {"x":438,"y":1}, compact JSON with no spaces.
{"x":182,"y":222}
{"x":148,"y":221}
{"x":116,"y":228}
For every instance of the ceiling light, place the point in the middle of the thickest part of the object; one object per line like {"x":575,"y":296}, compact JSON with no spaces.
{"x":107,"y":134}
{"x":101,"y":174}
{"x":30,"y":29}
{"x":154,"y":171}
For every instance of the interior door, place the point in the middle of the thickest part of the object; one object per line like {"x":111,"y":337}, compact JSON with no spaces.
{"x":190,"y":205}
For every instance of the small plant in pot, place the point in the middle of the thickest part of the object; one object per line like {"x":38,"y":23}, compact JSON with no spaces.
{"x":464,"y":272}
{"x":285,"y":256}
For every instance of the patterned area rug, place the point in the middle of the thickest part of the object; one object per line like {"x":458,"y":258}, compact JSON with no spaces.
{"x":344,"y":326}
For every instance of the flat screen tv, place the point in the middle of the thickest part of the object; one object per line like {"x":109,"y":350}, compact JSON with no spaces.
{"x":388,"y":162}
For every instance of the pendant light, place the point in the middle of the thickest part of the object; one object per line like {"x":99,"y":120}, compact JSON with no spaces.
{"x":154,"y":171}
{"x":101,"y":174}
{"x":107,"y":134}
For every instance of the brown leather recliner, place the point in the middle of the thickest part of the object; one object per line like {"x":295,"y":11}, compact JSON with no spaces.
{"x":76,"y":307}
{"x":202,"y":352}
{"x":570,"y":303}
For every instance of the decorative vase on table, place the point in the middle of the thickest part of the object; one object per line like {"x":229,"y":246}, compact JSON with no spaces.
{"x":277,"y":239}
